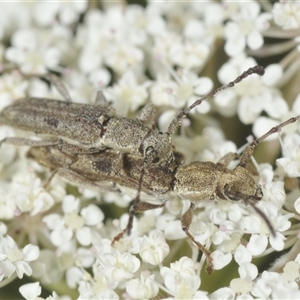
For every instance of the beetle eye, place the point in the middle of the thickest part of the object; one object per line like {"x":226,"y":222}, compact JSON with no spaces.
{"x":229,"y":194}
{"x":151,"y":155}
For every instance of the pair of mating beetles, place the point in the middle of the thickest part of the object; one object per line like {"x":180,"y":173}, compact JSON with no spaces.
{"x":93,"y":147}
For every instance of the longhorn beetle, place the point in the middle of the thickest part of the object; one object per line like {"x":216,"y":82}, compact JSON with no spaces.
{"x":97,"y":125}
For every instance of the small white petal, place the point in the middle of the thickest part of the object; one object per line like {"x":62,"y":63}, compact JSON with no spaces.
{"x":291,"y":271}
{"x":22,"y":268}
{"x":257,"y":244}
{"x":203,"y":86}
{"x":296,"y":105}
{"x":273,"y":73}
{"x":61,"y":235}
{"x":242,"y":255}
{"x":92,"y":215}
{"x":222,"y":293}
{"x":255,"y":40}
{"x":241,"y":285}
{"x":7,"y":268}
{"x":70,"y":204}
{"x":73,"y":277}
{"x":30,"y":291}
{"x":277,"y":108}
{"x":248,"y":271}
{"x":297,"y":205}
{"x":173,"y":230}
{"x":100,"y":78}
{"x":249,"y":109}
{"x":220,"y":259}
{"x":277,"y":242}
{"x":235,"y":46}
{"x":84,"y":236}
{"x":194,"y":29}
{"x":31,"y":252}
{"x":53,"y":221}
{"x":85,"y":257}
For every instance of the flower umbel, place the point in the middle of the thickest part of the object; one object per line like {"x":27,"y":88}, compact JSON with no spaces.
{"x":167,"y":54}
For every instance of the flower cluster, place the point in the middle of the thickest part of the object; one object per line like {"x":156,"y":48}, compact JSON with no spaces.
{"x":164,"y":53}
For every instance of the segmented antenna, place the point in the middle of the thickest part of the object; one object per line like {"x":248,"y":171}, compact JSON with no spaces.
{"x":247,"y":153}
{"x":259,"y":70}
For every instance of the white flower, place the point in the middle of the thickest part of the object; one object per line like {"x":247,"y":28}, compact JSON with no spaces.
{"x":160,"y":51}
{"x":245,"y":29}
{"x":202,"y":231}
{"x":128,"y":94}
{"x":8,"y":207}
{"x":49,"y":9}
{"x":273,"y":285}
{"x":163,"y":92}
{"x":287,"y":14}
{"x":144,"y":288}
{"x":63,"y":228}
{"x":30,"y":195}
{"x":98,"y":288}
{"x":123,"y":56}
{"x":280,"y":223}
{"x":99,"y":78}
{"x":154,"y":249}
{"x":29,"y":52}
{"x":12,"y":87}
{"x":274,"y":192}
{"x":93,"y":42}
{"x":14,"y":260}
{"x":291,"y":151}
{"x":251,"y":87}
{"x":195,"y":30}
{"x":189,"y":54}
{"x":11,"y":19}
{"x":80,"y":89}
{"x":117,"y":266}
{"x":226,"y":229}
{"x":176,"y":44}
{"x":142,"y":22}
{"x":256,"y":93}
{"x":68,"y":12}
{"x":83,"y":88}
{"x":191,"y":87}
{"x":180,"y":278}
{"x":47,"y":267}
